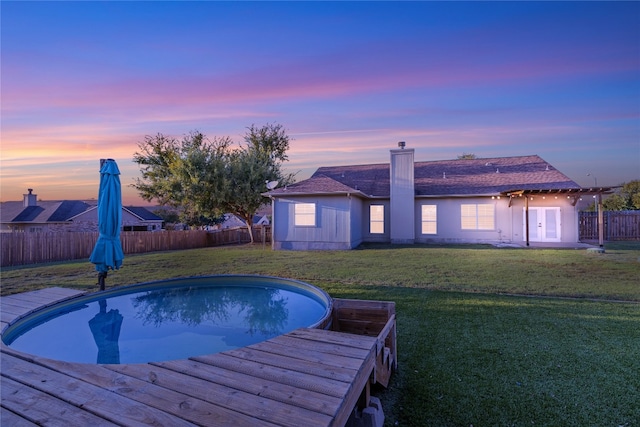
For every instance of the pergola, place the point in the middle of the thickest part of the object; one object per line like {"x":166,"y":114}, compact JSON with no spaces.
{"x":572,"y":193}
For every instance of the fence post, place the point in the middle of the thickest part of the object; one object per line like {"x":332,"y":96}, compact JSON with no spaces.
{"x":600,"y":221}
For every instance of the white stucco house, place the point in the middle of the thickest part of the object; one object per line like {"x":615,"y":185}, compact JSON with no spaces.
{"x":489,"y":200}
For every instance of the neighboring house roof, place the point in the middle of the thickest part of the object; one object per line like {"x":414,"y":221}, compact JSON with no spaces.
{"x":260,"y":220}
{"x":143,"y":213}
{"x":43,"y":212}
{"x":68,"y":209}
{"x":232,"y":220}
{"x":28,"y":214}
{"x":58,"y":211}
{"x":438,"y":178}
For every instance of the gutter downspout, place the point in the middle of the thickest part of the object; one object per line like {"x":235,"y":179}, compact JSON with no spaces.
{"x":526,"y":218}
{"x":273,"y":223}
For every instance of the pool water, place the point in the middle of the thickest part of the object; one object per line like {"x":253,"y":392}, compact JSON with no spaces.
{"x":169,"y":320}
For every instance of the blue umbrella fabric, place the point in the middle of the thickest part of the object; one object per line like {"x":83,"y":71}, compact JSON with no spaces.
{"x":107,"y":253}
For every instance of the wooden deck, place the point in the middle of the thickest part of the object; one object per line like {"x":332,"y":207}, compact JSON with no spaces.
{"x":308,"y":377}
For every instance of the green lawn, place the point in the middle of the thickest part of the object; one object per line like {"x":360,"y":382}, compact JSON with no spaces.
{"x":486,"y":336}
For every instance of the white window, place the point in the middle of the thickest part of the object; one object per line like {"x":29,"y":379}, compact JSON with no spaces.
{"x":477,"y":217}
{"x":429,"y":219}
{"x":305,"y":214}
{"x":376,"y":219}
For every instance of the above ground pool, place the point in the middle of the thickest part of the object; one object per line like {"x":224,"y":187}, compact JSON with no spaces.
{"x":168,"y":320}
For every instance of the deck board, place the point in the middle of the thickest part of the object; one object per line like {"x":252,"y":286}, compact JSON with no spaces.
{"x":271,"y":373}
{"x":306,"y":377}
{"x":294,"y":340}
{"x":10,"y":418}
{"x":338,"y":338}
{"x":40,"y":297}
{"x":316,"y":355}
{"x":139,"y":388}
{"x":41,"y":408}
{"x":319,"y":370}
{"x":275,"y":390}
{"x":14,"y":306}
{"x":85,"y":395}
{"x":255,"y":406}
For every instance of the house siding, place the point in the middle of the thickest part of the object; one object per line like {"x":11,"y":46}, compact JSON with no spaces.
{"x":344,"y":196}
{"x":449,"y":229}
{"x":569,"y":216}
{"x":88,"y":221}
{"x":343,"y":222}
{"x":356,"y":209}
{"x":366,"y":219}
{"x":331,"y":231}
{"x":509,"y":222}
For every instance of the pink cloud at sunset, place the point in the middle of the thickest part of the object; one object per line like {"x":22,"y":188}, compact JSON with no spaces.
{"x":281,"y":84}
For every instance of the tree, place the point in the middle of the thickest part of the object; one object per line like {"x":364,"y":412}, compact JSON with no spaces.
{"x":176,"y":173}
{"x":207,"y":179}
{"x":467,"y":156}
{"x":630,"y":193}
{"x":169,"y":216}
{"x":270,"y":139}
{"x":255,"y":165}
{"x":632,"y":189}
{"x":626,"y":198}
{"x":614,"y":202}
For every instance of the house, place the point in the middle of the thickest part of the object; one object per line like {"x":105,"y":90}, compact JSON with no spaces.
{"x":33,"y":215}
{"x":136,"y":218}
{"x":490,"y":200}
{"x":233,"y":221}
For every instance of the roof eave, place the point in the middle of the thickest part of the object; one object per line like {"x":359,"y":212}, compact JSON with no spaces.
{"x":35,"y":222}
{"x":576,"y":191}
{"x":441,"y":196}
{"x":318,"y":193}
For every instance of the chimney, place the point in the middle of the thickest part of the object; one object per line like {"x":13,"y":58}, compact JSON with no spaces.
{"x":402,"y":205}
{"x":30,"y":199}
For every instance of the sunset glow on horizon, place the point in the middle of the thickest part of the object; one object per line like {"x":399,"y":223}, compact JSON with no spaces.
{"x":81,"y":81}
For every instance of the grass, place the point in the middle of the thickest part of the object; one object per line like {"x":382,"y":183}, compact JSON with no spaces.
{"x":482,"y":360}
{"x":496,"y":337}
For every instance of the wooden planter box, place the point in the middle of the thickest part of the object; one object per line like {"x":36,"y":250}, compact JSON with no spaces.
{"x":372,"y":318}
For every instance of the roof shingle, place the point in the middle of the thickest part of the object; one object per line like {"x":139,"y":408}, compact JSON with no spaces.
{"x":439,"y":178}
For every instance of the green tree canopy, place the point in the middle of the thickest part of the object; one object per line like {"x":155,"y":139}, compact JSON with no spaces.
{"x":630,"y":195}
{"x":208,"y":178}
{"x":626,"y":198}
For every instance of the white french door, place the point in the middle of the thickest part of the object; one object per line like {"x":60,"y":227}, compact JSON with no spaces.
{"x":544,"y":224}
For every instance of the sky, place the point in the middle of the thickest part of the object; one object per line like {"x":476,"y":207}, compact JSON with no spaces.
{"x":81,"y":81}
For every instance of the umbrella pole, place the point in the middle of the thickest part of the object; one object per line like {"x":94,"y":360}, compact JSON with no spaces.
{"x":101,"y":276}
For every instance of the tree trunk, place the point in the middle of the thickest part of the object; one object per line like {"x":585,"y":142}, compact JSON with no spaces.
{"x":249,"y":223}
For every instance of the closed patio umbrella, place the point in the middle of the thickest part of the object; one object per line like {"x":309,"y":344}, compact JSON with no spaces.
{"x":107,"y":253}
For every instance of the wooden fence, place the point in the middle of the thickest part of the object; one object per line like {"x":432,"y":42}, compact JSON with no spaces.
{"x":618,"y":225}
{"x":35,"y":248}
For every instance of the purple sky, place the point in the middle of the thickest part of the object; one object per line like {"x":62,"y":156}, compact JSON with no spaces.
{"x":348,"y":80}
